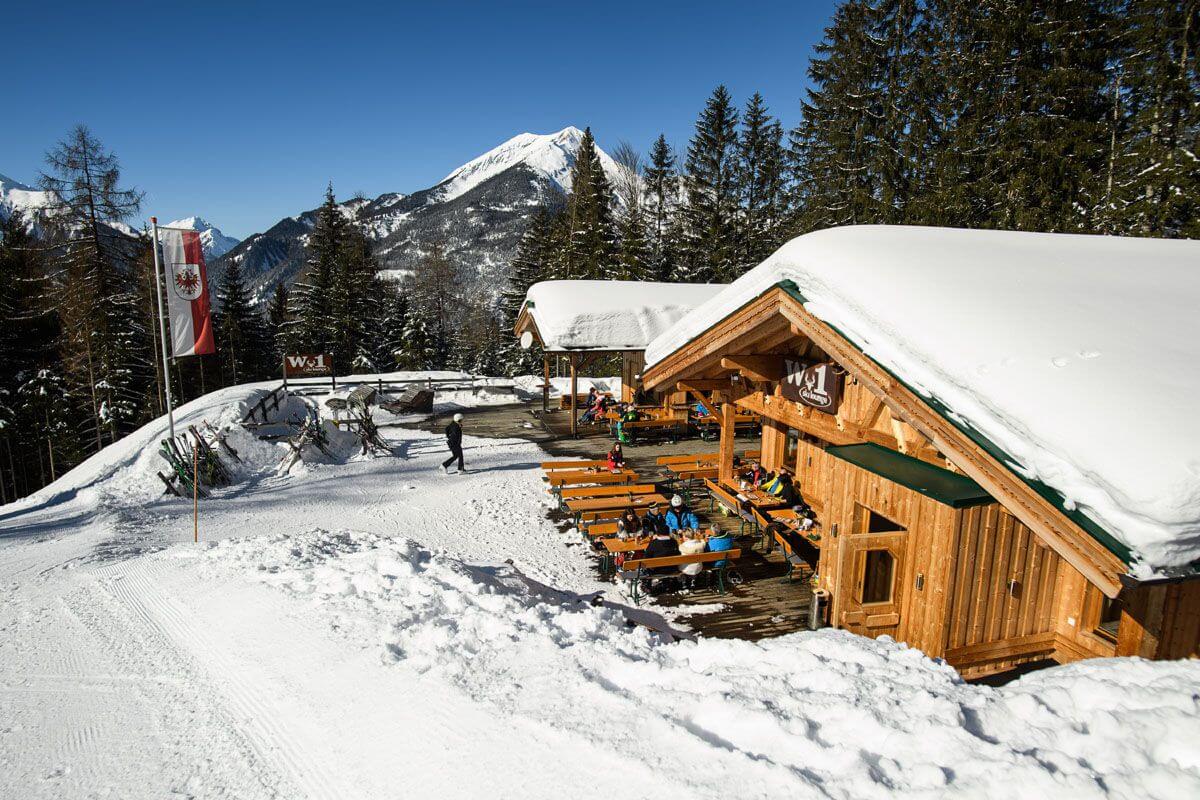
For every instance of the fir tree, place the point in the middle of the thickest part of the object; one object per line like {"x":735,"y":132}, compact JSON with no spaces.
{"x":710,"y":215}
{"x":434,"y":301}
{"x":242,"y":340}
{"x":661,"y":201}
{"x":278,"y":315}
{"x":592,"y":240}
{"x":313,"y":324}
{"x":529,"y":265}
{"x":760,"y":151}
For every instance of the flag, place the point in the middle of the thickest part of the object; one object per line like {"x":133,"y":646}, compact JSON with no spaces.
{"x":188,"y":303}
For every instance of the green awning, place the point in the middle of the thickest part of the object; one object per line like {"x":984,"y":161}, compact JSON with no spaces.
{"x":942,"y":485}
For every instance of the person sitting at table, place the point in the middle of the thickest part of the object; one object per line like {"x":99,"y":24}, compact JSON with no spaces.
{"x":662,"y":545}
{"x":718,"y":543}
{"x":680,"y":517}
{"x":630,"y":414}
{"x":787,"y":490}
{"x":594,"y":406}
{"x":629,"y":526}
{"x":653,"y":520}
{"x":691,"y":545}
{"x":755,"y":475}
{"x":616,"y":458}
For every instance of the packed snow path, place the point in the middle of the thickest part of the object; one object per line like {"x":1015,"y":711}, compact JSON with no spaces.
{"x":353,"y":631}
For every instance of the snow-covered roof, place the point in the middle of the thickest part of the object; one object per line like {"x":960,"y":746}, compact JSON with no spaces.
{"x":1077,"y":356}
{"x":610,"y":315}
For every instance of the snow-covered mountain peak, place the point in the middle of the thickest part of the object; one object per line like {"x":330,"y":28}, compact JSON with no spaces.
{"x":212,"y":240}
{"x":551,"y":154}
{"x":15,"y":195}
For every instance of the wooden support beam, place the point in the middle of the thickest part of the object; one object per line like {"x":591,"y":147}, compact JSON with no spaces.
{"x":703,"y":401}
{"x":758,"y":368}
{"x":725,"y":457}
{"x":704,"y":385}
{"x":574,"y":394}
{"x":785,"y":411}
{"x":545,"y":383}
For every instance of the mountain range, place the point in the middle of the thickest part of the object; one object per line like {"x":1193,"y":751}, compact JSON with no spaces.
{"x":477,"y":212}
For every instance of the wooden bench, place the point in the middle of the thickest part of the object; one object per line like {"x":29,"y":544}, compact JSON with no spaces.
{"x":670,"y":429}
{"x":664,"y":461}
{"x":590,"y":517}
{"x":728,"y":500}
{"x":411,"y":401}
{"x":723,"y":557}
{"x":550,"y":466}
{"x":631,"y":489}
{"x":572,"y":478}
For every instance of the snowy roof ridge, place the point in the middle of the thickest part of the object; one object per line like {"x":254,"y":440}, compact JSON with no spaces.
{"x":610,"y":315}
{"x":1034,"y":341}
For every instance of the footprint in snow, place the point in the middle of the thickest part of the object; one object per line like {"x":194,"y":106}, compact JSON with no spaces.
{"x":1059,"y":361}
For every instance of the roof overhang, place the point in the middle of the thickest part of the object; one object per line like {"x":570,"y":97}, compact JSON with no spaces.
{"x":1082,"y":543}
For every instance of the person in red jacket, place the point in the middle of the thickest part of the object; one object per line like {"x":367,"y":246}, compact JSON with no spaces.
{"x":616,"y":458}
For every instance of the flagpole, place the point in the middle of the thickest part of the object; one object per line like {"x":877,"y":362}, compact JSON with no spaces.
{"x":162,"y":330}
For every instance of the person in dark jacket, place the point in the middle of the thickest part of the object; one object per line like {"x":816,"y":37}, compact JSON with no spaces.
{"x":653,"y":521}
{"x":662,"y":546}
{"x":787,"y":490}
{"x":454,"y":442}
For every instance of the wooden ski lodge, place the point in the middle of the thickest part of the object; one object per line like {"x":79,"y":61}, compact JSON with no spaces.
{"x":993,"y":428}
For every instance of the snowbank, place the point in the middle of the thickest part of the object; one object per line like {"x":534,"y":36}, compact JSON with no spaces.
{"x":1076,"y":355}
{"x":610,"y":315}
{"x":824,"y":714}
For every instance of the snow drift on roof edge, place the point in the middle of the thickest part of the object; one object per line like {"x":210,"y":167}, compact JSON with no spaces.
{"x":610,"y":315}
{"x":1076,"y":355}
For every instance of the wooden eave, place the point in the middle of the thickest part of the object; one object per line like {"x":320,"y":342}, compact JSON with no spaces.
{"x":758,"y":322}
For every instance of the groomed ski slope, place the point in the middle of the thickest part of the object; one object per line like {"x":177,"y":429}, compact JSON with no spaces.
{"x":372,"y":628}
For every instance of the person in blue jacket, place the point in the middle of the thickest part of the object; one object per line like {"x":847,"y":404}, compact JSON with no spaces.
{"x":680,"y":517}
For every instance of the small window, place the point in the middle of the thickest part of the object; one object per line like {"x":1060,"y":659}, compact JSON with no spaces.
{"x":1110,"y":618}
{"x":791,"y":447}
{"x":879,"y":569}
{"x":878,"y":523}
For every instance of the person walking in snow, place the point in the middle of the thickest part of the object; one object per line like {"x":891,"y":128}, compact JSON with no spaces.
{"x":454,"y":442}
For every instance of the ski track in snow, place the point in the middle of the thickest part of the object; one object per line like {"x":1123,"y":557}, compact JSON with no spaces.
{"x":353,"y":631}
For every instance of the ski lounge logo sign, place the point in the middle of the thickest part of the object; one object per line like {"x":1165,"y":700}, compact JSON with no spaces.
{"x":816,"y":385}
{"x":307,"y":365}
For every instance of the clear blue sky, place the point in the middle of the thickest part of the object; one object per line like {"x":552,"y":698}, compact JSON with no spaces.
{"x":241,"y":112}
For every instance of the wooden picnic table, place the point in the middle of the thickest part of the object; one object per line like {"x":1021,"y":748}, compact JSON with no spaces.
{"x":697,"y":473}
{"x":615,"y":503}
{"x":549,"y":466}
{"x":581,"y":477}
{"x":761,"y":500}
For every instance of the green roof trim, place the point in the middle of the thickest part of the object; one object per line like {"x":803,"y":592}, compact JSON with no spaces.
{"x":946,"y":487}
{"x":1119,"y":549}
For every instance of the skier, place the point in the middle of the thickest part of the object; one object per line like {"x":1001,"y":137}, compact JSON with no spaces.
{"x":454,"y":442}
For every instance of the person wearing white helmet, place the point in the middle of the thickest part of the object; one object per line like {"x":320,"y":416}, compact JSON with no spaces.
{"x":454,"y":442}
{"x":680,"y":517}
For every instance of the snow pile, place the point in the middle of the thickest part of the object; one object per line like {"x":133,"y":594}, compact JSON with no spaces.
{"x":828,"y":713}
{"x":610,"y":315}
{"x":531,"y":385}
{"x":1076,"y":355}
{"x":551,"y":154}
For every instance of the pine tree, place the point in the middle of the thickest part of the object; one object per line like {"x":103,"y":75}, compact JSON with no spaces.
{"x":662,"y":186}
{"x":433,"y":296}
{"x":1152,"y":181}
{"x":529,"y":266}
{"x":710,"y":215}
{"x":278,"y":316}
{"x":390,"y":336}
{"x":242,"y":340}
{"x":592,"y":239}
{"x":313,"y":326}
{"x":761,"y":157}
{"x":104,"y":339}
{"x":633,"y":252}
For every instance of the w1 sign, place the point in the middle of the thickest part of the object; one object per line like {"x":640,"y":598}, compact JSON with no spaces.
{"x":307,"y":365}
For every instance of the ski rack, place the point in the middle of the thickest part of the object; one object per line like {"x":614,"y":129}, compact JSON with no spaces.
{"x":265,"y":405}
{"x":190,"y":453}
{"x":310,"y":433}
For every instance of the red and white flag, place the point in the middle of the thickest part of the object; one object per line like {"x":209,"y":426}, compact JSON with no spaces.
{"x":187,"y":293}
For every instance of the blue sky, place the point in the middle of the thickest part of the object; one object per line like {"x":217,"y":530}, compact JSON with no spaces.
{"x":241,"y":112}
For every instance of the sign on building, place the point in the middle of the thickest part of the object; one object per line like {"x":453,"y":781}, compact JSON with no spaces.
{"x":307,"y":365}
{"x":816,"y":385}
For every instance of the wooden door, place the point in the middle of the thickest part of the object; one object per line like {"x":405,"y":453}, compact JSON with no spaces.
{"x":871,"y":582}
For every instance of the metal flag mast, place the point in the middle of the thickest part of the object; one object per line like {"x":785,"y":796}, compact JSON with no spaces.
{"x":162,"y":330}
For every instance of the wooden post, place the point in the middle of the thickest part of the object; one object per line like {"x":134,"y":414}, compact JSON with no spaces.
{"x":725,"y":459}
{"x":574,"y":399}
{"x":545,"y":383}
{"x":196,"y":493}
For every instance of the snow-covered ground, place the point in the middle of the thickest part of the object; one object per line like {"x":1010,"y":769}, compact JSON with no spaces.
{"x":371,"y":628}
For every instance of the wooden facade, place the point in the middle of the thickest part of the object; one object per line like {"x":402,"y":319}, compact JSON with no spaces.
{"x":924,"y":535}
